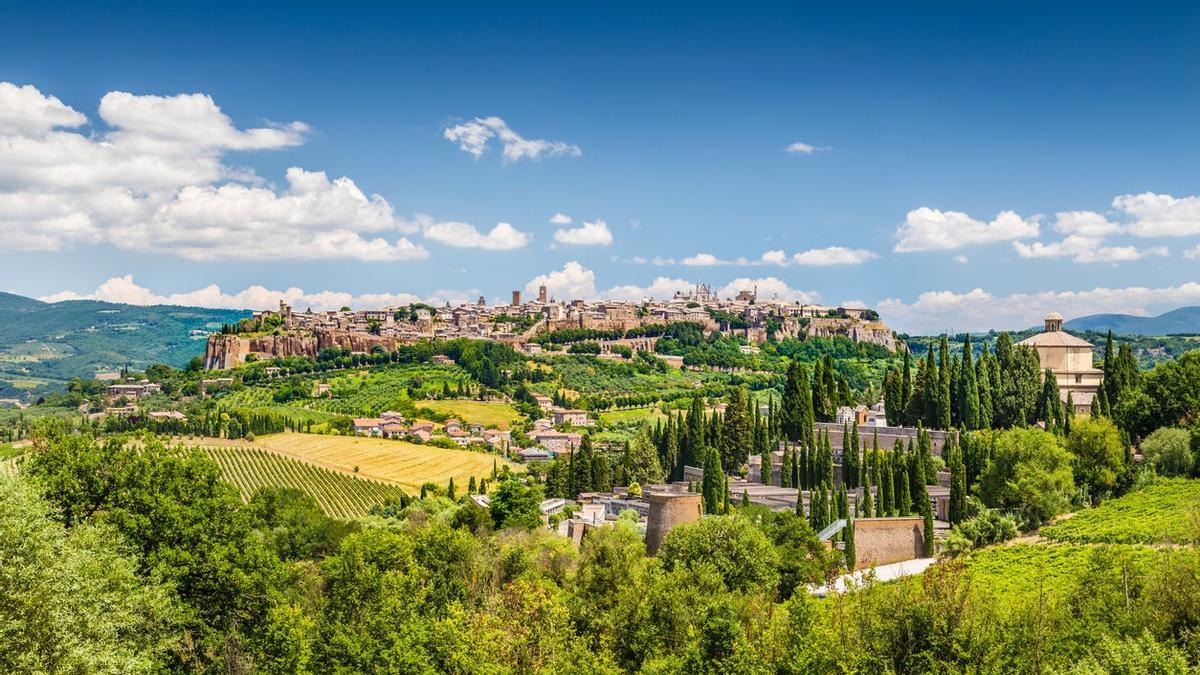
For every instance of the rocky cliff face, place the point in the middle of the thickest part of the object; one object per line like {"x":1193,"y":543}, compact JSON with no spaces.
{"x":875,"y":332}
{"x":228,"y":351}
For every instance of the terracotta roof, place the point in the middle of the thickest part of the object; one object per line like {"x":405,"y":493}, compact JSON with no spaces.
{"x":1055,"y":339}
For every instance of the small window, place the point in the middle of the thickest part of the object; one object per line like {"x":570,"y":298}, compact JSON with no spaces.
{"x":1078,"y":379}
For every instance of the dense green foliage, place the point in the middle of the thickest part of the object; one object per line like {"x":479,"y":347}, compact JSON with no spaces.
{"x":1161,"y":513}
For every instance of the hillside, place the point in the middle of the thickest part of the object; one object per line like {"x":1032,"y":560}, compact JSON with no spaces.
{"x":45,"y":344}
{"x":1176,"y":321}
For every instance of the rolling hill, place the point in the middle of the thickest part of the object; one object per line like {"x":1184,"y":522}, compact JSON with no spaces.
{"x":1174,"y":322}
{"x":45,"y":344}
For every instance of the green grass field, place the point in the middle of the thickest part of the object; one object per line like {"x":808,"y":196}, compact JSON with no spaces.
{"x":397,"y":462}
{"x":1166,"y":512}
{"x":633,"y":415}
{"x":487,"y":413}
{"x":339,"y":494}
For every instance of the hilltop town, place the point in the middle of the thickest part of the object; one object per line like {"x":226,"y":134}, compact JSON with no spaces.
{"x":523,"y":323}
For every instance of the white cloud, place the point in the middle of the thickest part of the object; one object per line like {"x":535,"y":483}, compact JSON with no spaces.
{"x":1083,"y":249}
{"x":502,"y":237}
{"x":799,"y":148}
{"x":154,"y":180}
{"x":474,"y":136}
{"x":576,"y":282}
{"x":560,"y":219}
{"x":1157,"y":215}
{"x":26,"y":111}
{"x":927,"y":229}
{"x":775,"y":257}
{"x":702,"y":260}
{"x":595,"y":233}
{"x":768,"y":288}
{"x":961,"y":259}
{"x":572,"y":282}
{"x":661,"y":288}
{"x":1192,"y":253}
{"x":125,"y":290}
{"x":833,"y":255}
{"x":979,"y":310}
{"x":1086,"y":223}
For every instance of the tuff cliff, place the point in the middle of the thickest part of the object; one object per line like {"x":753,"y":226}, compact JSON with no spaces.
{"x":875,"y":332}
{"x":228,"y":351}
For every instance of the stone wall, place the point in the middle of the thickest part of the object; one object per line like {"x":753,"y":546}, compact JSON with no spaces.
{"x":666,"y":511}
{"x":879,"y":541}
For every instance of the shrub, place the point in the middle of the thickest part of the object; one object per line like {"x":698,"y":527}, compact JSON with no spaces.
{"x":989,"y":527}
{"x":1169,"y":451}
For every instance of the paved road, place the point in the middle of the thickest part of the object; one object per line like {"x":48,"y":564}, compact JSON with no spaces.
{"x":882,"y":573}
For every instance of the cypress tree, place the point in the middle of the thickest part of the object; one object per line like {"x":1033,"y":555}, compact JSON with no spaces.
{"x":905,"y":382}
{"x":737,"y":432}
{"x":785,"y":469}
{"x":766,"y":470}
{"x":790,"y":423}
{"x":713,"y":480}
{"x":901,"y":489}
{"x":745,"y":499}
{"x":984,"y":385}
{"x":693,"y":451}
{"x":927,"y":513}
{"x":887,"y":505}
{"x":868,"y":507}
{"x":892,"y":397}
{"x":796,"y":468}
{"x":471,"y":487}
{"x":929,"y":389}
{"x":849,"y":551}
{"x":958,"y":488}
{"x":820,"y":396}
{"x":943,"y":384}
{"x":724,"y":493}
{"x":1068,"y":414}
{"x":450,"y":488}
{"x":969,"y":405}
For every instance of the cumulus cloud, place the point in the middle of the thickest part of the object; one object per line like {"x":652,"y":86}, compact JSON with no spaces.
{"x":702,"y":260}
{"x":799,"y":148}
{"x":926,"y":229}
{"x":1192,"y":253}
{"x":977,"y":309}
{"x":833,"y":255}
{"x":1085,"y":223}
{"x":576,"y":282}
{"x":817,"y":257}
{"x":502,"y":237}
{"x":1157,"y":215}
{"x":595,"y":233}
{"x":572,"y":282}
{"x":124,"y":289}
{"x":1083,"y":249}
{"x":560,"y":219}
{"x":473,"y":137}
{"x":154,"y":179}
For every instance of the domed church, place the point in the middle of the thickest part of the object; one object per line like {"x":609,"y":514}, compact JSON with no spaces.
{"x":1070,"y":359}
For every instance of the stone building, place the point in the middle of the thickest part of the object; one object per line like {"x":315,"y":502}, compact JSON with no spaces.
{"x":1070,"y":359}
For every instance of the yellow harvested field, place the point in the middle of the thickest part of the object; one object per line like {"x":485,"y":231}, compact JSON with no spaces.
{"x":397,"y":462}
{"x":487,"y":413}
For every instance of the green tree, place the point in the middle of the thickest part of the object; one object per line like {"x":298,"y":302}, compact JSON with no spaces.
{"x":514,"y":504}
{"x":968,"y":403}
{"x":1030,"y":473}
{"x":738,"y":434}
{"x":1169,"y":451}
{"x":1099,"y":455}
{"x":731,"y":545}
{"x":72,"y":600}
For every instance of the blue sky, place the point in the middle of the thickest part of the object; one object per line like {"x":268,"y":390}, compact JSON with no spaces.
{"x":938,"y":147}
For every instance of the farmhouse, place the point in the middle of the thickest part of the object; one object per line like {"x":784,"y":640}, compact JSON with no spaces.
{"x":578,"y":418}
{"x":133,"y":391}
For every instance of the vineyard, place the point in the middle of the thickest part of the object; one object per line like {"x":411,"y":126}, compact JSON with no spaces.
{"x":1021,"y":572}
{"x":406,"y":464}
{"x":339,"y":494}
{"x":1166,"y":512}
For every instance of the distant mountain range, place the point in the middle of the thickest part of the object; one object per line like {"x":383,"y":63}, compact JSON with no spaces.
{"x":44,"y":344}
{"x":1176,"y":321}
